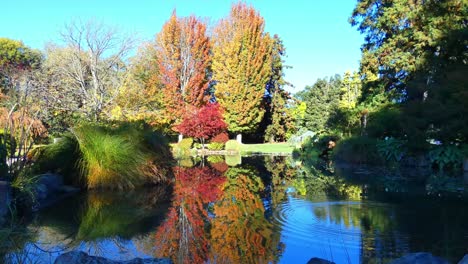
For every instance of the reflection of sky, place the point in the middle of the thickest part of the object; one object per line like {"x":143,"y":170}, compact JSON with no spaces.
{"x":311,"y":230}
{"x":44,"y":252}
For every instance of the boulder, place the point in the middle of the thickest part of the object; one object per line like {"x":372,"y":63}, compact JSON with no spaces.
{"x":5,"y":199}
{"x":49,"y":189}
{"x":419,"y":258}
{"x":464,"y":260}
{"x":79,"y":257}
{"x":319,"y":261}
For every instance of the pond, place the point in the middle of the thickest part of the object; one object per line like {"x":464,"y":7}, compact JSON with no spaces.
{"x":262,"y":210}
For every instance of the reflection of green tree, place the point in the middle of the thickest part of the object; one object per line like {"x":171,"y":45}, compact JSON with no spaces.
{"x":240,"y":232}
{"x":282,"y":174}
{"x":319,"y":186}
{"x":106,"y":214}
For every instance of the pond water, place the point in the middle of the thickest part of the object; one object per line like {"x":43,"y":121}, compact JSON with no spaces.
{"x":263,"y":210}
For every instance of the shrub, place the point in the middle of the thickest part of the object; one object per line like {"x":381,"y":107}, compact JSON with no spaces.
{"x":221,"y":138}
{"x":358,"y":150}
{"x":216,"y":146}
{"x":391,"y":149}
{"x":183,"y":148}
{"x":233,"y":145}
{"x":122,"y":157}
{"x":444,"y":156}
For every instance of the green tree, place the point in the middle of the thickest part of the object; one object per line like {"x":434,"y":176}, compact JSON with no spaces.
{"x":321,"y":99}
{"x":279,"y":116}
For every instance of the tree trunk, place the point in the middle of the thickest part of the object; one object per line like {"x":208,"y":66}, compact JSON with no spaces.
{"x":180,"y":138}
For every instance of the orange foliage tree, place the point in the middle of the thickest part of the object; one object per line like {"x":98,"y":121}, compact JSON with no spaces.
{"x":184,"y":59}
{"x":241,"y":67}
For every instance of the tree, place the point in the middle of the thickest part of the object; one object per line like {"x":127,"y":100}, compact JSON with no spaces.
{"x":16,"y":60}
{"x":84,"y":75}
{"x":203,"y":123}
{"x":321,"y":99}
{"x":184,"y":59}
{"x":414,"y":52}
{"x":279,"y":116}
{"x":20,"y":126}
{"x":241,"y":67}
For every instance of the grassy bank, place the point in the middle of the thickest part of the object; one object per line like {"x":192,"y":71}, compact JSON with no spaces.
{"x":267,"y":148}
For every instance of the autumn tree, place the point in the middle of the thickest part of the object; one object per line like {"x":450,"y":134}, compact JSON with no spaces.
{"x":84,"y":75}
{"x":20,"y":125}
{"x":203,"y":123}
{"x":241,"y":67}
{"x":184,"y":60}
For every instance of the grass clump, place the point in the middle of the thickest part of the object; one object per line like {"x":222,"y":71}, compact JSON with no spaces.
{"x":122,"y":157}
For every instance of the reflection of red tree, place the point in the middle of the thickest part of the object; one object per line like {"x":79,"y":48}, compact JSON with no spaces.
{"x":220,"y":166}
{"x":182,"y":237}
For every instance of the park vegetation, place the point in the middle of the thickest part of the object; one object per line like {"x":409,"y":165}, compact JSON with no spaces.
{"x":214,"y":82}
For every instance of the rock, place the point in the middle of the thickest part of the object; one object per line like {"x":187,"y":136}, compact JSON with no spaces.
{"x":464,"y":260}
{"x":319,"y":261}
{"x":49,"y":189}
{"x":419,"y":258}
{"x":79,"y":257}
{"x":5,"y":199}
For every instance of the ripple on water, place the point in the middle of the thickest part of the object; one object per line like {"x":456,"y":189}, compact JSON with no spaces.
{"x":332,"y":224}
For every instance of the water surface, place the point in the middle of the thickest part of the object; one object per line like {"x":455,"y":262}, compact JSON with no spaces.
{"x":264,"y":210}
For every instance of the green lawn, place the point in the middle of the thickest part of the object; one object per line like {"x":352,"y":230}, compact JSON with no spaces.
{"x":268,"y":148}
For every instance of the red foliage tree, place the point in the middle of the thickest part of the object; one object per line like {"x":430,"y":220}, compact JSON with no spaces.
{"x":203,"y":123}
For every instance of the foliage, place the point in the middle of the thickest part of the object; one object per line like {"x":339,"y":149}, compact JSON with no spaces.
{"x":15,"y":59}
{"x":361,"y":150}
{"x":391,"y":149}
{"x":203,"y":123}
{"x":241,"y":67}
{"x":88,"y":69}
{"x":216,"y":146}
{"x":415,"y":54}
{"x":233,"y":145}
{"x":221,"y":138}
{"x":60,"y":157}
{"x":122,"y":157}
{"x":183,"y":148}
{"x":184,"y":57}
{"x":322,"y":100}
{"x":279,"y":117}
{"x":444,"y":156}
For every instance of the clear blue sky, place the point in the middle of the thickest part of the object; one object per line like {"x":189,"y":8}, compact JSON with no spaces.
{"x":317,"y":36}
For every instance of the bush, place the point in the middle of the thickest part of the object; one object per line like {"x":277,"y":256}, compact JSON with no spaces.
{"x":446,"y":156}
{"x":184,"y":147}
{"x":358,"y":150}
{"x":216,"y":146}
{"x":233,"y":145}
{"x":122,"y":157}
{"x":220,"y":138}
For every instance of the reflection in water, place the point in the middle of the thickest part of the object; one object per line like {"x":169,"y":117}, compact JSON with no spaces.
{"x":267,"y":210}
{"x":182,"y":236}
{"x":240,"y":232}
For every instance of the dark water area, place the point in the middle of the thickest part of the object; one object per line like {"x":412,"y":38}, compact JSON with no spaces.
{"x":263,"y":210}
